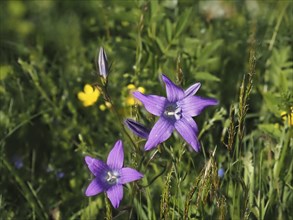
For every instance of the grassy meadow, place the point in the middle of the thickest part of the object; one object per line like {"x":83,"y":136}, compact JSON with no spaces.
{"x":239,"y":50}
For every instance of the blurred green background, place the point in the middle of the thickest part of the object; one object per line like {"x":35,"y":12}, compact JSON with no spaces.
{"x":48,"y":51}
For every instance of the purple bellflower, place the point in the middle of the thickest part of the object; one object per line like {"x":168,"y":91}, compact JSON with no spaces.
{"x":175,"y":112}
{"x":137,"y":128}
{"x":110,"y":176}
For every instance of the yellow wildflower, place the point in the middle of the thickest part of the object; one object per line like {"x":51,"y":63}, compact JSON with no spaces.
{"x":287,"y":117}
{"x":130,"y":100}
{"x":89,"y":95}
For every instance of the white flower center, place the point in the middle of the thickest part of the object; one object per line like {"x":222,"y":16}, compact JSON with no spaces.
{"x":112,"y":177}
{"x":173,"y":111}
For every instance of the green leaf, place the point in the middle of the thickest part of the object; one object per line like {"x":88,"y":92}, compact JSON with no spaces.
{"x":271,"y":129}
{"x":272,"y":102}
{"x":172,"y":53}
{"x":191,"y":45}
{"x":206,"y":76}
{"x":5,"y":71}
{"x":182,"y":22}
{"x":154,"y":7}
{"x":161,"y":45}
{"x":168,"y":30}
{"x":140,"y":210}
{"x":208,"y":50}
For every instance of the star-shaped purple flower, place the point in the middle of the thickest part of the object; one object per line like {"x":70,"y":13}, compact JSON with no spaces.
{"x":175,"y":112}
{"x":110,"y":176}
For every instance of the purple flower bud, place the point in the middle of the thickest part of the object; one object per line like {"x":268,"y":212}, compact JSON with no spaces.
{"x":103,"y":63}
{"x":137,"y":128}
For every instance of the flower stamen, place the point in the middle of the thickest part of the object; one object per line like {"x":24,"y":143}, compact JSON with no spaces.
{"x":173,"y":111}
{"x":112,"y":177}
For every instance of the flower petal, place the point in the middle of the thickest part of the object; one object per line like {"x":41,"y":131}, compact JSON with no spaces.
{"x":161,"y":131}
{"x":153,"y":103}
{"x":193,"y":105}
{"x":116,"y":156}
{"x":81,"y":96}
{"x":87,"y":103}
{"x":128,"y":175}
{"x":95,"y":187}
{"x":192,"y":123}
{"x":115,"y":194}
{"x":97,"y":167}
{"x":88,"y":89}
{"x":188,"y":131}
{"x":174,"y":93}
{"x":192,"y":89}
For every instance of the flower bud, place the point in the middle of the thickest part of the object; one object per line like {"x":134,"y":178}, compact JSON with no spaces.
{"x":103,"y":63}
{"x":137,"y":128}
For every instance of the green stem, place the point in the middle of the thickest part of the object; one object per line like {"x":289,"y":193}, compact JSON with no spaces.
{"x":276,"y":29}
{"x":108,"y":99}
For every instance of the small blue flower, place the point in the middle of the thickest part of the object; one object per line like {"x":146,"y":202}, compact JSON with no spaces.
{"x":221,"y":172}
{"x":17,"y":162}
{"x":60,"y":174}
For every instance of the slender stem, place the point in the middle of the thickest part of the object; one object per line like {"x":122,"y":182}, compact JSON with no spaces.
{"x":108,"y":99}
{"x":272,"y":41}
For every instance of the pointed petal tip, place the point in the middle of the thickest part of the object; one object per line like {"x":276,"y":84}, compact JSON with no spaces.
{"x":163,"y":76}
{"x":195,"y":147}
{"x":88,"y":159}
{"x":212,"y":101}
{"x":88,"y":193}
{"x":120,"y":143}
{"x":115,"y":195}
{"x":174,"y":92}
{"x":192,"y":89}
{"x":166,"y":79}
{"x":140,"y":175}
{"x":148,"y":147}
